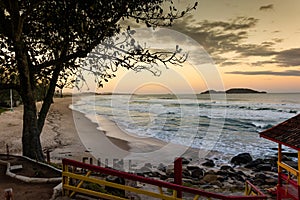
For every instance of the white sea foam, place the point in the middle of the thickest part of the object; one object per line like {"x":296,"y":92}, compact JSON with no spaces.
{"x":188,"y":121}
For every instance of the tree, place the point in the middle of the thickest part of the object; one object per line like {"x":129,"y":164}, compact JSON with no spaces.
{"x":42,"y":39}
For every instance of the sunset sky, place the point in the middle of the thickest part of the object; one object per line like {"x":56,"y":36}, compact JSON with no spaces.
{"x":253,"y":44}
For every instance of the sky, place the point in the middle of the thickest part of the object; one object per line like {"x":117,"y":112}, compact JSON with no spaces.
{"x":231,"y":44}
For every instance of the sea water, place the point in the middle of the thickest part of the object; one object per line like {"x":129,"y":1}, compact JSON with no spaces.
{"x":226,"y":123}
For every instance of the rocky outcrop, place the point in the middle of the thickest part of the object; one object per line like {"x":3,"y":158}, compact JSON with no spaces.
{"x":230,"y":176}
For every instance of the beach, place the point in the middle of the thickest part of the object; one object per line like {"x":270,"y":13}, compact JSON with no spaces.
{"x":70,"y":134}
{"x":58,"y":136}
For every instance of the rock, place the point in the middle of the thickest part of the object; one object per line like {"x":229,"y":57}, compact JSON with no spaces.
{"x":192,"y":167}
{"x":170,"y":171}
{"x":227,"y":168}
{"x":163,"y":177}
{"x":264,"y":167}
{"x":162,"y":167}
{"x":260,"y":176}
{"x":211,"y":172}
{"x":242,"y":158}
{"x":149,"y":165}
{"x":254,"y":163}
{"x":118,"y":180}
{"x":186,"y":173}
{"x":271,"y":181}
{"x":185,"y":161}
{"x":209,"y":163}
{"x":143,"y":171}
{"x":216,"y":183}
{"x":208,"y":178}
{"x":197,"y":173}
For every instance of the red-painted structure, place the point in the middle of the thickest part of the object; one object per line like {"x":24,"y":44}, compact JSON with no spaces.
{"x":252,"y":192}
{"x":287,"y":133}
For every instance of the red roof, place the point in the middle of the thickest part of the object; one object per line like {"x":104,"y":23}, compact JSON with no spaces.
{"x":286,"y":133}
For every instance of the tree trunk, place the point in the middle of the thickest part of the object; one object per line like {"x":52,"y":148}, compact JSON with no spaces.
{"x":31,"y":143}
{"x":31,"y":138}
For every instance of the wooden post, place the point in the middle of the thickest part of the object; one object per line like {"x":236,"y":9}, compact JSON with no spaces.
{"x":279,"y":167}
{"x":8,"y":194}
{"x":298,"y":175}
{"x":65,"y":180}
{"x":178,"y":174}
{"x":106,"y":162}
{"x":7,"y":151}
{"x":48,"y":156}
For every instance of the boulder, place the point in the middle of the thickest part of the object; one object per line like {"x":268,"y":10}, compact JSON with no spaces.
{"x":185,"y":161}
{"x":209,"y":178}
{"x":115,"y":191}
{"x":226,"y":168}
{"x":209,"y":163}
{"x":170,"y":171}
{"x":242,"y":158}
{"x":162,"y":167}
{"x":197,"y":173}
{"x":186,"y":173}
{"x":264,"y":167}
{"x":192,"y":167}
{"x":254,"y":163}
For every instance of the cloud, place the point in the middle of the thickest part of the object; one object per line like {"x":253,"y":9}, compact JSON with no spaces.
{"x":285,"y":58}
{"x":266,"y":7}
{"x":272,"y":73}
{"x":217,"y":37}
{"x":289,"y":57}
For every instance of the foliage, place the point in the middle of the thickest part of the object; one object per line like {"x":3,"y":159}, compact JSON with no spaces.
{"x":42,"y":42}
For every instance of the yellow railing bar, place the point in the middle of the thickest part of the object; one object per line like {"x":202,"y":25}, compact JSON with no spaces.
{"x":289,"y":168}
{"x":196,"y":197}
{"x":80,"y":183}
{"x":123,"y":187}
{"x":66,"y":180}
{"x":174,"y":193}
{"x":93,"y":193}
{"x":160,"y":190}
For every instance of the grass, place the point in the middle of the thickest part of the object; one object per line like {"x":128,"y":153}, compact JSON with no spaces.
{"x":2,"y":110}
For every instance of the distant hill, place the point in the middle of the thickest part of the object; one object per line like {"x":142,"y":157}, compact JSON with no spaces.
{"x":242,"y":90}
{"x":212,"y":92}
{"x":234,"y":91}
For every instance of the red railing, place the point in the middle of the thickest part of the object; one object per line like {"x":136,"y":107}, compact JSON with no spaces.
{"x":179,"y":188}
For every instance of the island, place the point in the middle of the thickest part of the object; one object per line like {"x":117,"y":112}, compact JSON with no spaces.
{"x":235,"y":91}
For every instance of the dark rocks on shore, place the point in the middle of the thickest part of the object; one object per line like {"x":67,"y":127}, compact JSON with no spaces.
{"x":229,"y":176}
{"x":209,"y":163}
{"x":242,"y":158}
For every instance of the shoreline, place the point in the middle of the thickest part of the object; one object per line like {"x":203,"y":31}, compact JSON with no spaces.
{"x":71,"y":134}
{"x":115,"y":143}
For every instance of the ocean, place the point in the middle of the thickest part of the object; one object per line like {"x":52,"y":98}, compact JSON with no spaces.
{"x":225,"y":123}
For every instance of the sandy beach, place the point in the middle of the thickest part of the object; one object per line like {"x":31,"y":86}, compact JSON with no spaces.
{"x":59,"y":135}
{"x":71,"y":134}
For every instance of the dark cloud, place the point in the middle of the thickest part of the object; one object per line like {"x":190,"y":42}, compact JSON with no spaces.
{"x":288,"y":58}
{"x":229,"y":63}
{"x":266,"y":7}
{"x":284,"y":73}
{"x":221,"y":37}
{"x":263,"y":50}
{"x":217,"y":37}
{"x":285,"y":58}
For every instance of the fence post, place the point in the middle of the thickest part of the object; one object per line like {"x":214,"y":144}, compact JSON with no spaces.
{"x":178,"y":174}
{"x":48,"y":156}
{"x":8,"y":194}
{"x":7,"y":151}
